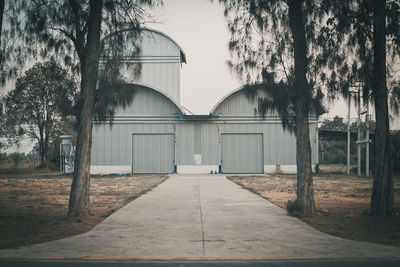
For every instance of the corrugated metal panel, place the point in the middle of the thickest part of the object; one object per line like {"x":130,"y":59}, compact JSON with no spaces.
{"x":185,"y":144}
{"x":155,"y":44}
{"x":165,"y":77}
{"x":149,"y":102}
{"x":238,"y":104}
{"x":160,"y":65}
{"x":279,"y":145}
{"x":210,"y":146}
{"x":313,"y":141}
{"x":113,"y":145}
{"x":242,"y":153}
{"x":153,"y":153}
{"x":197,"y":138}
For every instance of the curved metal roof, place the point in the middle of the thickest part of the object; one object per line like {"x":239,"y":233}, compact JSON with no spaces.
{"x":182,"y":53}
{"x":162,"y":93}
{"x":183,"y":56}
{"x":320,"y":109}
{"x":225,"y":97}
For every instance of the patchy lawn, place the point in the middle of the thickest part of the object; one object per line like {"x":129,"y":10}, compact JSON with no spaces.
{"x":33,"y":208}
{"x":342,"y":204}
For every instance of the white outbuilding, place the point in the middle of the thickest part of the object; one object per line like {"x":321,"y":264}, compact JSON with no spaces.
{"x":155,"y":135}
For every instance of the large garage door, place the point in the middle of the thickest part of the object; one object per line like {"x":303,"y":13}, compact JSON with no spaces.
{"x":242,"y":153}
{"x":153,"y":153}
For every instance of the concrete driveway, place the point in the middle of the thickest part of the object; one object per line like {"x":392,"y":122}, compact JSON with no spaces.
{"x":201,"y":217}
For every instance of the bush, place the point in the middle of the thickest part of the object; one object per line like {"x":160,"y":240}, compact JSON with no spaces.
{"x":16,"y":158}
{"x":293,"y":207}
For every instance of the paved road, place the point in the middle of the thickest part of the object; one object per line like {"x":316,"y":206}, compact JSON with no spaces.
{"x":302,"y":263}
{"x":202,"y":217}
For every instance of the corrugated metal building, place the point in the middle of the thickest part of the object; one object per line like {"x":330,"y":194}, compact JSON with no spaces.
{"x":154,"y":135}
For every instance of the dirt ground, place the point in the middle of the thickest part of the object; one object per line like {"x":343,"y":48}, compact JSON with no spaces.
{"x":342,"y":204}
{"x":33,"y":209}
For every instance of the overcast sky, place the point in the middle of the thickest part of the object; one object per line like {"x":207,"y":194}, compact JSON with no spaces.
{"x":199,"y":27}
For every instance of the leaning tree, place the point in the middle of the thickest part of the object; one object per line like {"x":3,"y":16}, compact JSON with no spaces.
{"x":74,"y":29}
{"x":273,"y":42}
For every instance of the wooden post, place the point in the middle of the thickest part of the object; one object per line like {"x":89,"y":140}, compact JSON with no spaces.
{"x":359,"y":134}
{"x":367,"y":143}
{"x":348,"y":135}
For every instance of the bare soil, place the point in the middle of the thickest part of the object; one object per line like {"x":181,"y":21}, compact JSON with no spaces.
{"x":342,"y":204}
{"x":33,"y":208}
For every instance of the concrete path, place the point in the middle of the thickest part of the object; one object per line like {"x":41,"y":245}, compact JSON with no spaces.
{"x":201,"y":217}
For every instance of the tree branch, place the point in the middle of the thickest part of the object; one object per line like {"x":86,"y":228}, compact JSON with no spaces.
{"x":79,"y":43}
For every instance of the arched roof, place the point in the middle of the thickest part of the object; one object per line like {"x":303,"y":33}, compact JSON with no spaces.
{"x":183,"y":56}
{"x":147,"y":87}
{"x":182,"y":53}
{"x":319,"y":108}
{"x":226,"y":97}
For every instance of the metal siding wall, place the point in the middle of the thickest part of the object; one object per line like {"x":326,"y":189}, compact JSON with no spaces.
{"x":113,"y":146}
{"x":153,"y":153}
{"x":242,"y":153}
{"x":185,"y":144}
{"x":197,"y":138}
{"x":238,"y":104}
{"x":279,"y":145}
{"x":147,"y":102}
{"x":165,"y":75}
{"x":210,"y":147}
{"x":155,"y":44}
{"x":96,"y":144}
{"x":313,"y":141}
{"x":206,"y":144}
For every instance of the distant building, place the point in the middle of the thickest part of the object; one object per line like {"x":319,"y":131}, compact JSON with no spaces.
{"x":155,"y":135}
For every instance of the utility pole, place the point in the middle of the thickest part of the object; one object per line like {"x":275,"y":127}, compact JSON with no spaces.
{"x":367,"y":143}
{"x":348,"y":134}
{"x":359,"y":134}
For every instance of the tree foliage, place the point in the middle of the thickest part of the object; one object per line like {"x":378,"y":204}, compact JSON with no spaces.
{"x":12,"y":52}
{"x":335,"y":151}
{"x":261,"y":47}
{"x":364,"y":37}
{"x":336,"y":123}
{"x":82,"y":32}
{"x":62,"y":27}
{"x":348,"y":54}
{"x":273,"y":43}
{"x":42,"y":97}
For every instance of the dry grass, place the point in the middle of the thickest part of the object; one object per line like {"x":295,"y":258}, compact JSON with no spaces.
{"x":342,"y":204}
{"x":34,"y":209}
{"x":25,"y":166}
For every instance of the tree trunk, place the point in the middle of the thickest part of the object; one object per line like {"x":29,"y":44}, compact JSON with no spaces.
{"x":79,"y":198}
{"x":42,"y":147}
{"x":382,"y":190}
{"x":1,"y":18}
{"x":305,"y":192}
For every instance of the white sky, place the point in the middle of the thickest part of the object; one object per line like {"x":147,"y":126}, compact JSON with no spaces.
{"x":199,"y":27}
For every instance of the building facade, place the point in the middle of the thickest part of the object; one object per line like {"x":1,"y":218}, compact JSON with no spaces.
{"x":155,"y":135}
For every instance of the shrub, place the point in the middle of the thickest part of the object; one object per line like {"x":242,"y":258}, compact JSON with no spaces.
{"x":16,"y":158}
{"x":293,"y":207}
